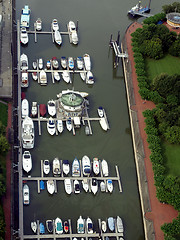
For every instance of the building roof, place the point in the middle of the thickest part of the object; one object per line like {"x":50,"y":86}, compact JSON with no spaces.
{"x":173,"y":17}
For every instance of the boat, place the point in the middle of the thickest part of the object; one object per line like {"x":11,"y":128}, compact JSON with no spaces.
{"x":55,"y":63}
{"x":71,"y":62}
{"x":104,"y":167}
{"x":34,"y":65}
{"x":109,"y":185}
{"x":34,"y":226}
{"x":80,"y":225}
{"x":49,"y":225}
{"x":89,"y":225}
{"x":34,"y":109}
{"x":89,"y":78}
{"x":68,"y":185}
{"x":85,"y":184}
{"x":96,"y":167}
{"x":27,"y":161}
{"x":57,"y":37}
{"x":111,"y":224}
{"x":24,"y":62}
{"x":94,"y":185}
{"x":73,"y":32}
{"x":66,"y":226}
{"x":86,"y":165}
{"x":138,"y":10}
{"x":34,"y":76}
{"x":65,"y":167}
{"x":24,"y":79}
{"x":76,"y":186}
{"x":42,"y":109}
{"x":42,"y":187}
{"x":26,"y":194}
{"x":66,"y":76}
{"x":104,"y":226}
{"x":100,"y":111}
{"x":71,"y":26}
{"x":87,"y":62}
{"x":51,"y":126}
{"x":58,"y":226}
{"x":69,"y":124}
{"x":38,"y":24}
{"x":40,"y":63}
{"x":41,"y":228}
{"x":43,"y":78}
{"x":87,"y":130}
{"x":83,"y":75}
{"x":54,"y":25}
{"x":48,"y":64}
{"x":60,"y":127}
{"x":25,"y":17}
{"x":24,"y":108}
{"x":24,"y":36}
{"x":103,"y":186}
{"x":119,"y":224}
{"x":74,"y":37}
{"x":57,"y":76}
{"x":51,"y":106}
{"x":27,"y":133}
{"x":64,"y":62}
{"x":56,"y":167}
{"x":46,"y":166}
{"x":50,"y":186}
{"x":80,"y":63}
{"x":76,"y":168}
{"x":103,"y":124}
{"x":83,"y":94}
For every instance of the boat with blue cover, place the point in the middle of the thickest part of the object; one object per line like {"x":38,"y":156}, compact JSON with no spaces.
{"x":41,"y":228}
{"x":58,"y":226}
{"x":139,"y":10}
{"x":25,"y":17}
{"x":80,"y":225}
{"x":42,"y":185}
{"x":111,"y":224}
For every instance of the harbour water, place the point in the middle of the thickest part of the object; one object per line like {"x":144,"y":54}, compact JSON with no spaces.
{"x":97,"y":20}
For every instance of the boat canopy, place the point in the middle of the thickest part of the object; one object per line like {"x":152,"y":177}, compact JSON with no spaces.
{"x":72,"y":99}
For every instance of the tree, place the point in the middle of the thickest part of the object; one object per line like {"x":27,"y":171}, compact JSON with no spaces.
{"x":172,"y":134}
{"x":4,"y":146}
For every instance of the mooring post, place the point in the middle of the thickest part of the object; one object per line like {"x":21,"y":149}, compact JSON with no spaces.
{"x":110,"y":45}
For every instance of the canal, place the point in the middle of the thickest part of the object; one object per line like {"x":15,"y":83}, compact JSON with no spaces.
{"x":97,"y":20}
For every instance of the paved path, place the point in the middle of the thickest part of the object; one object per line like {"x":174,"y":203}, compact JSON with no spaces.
{"x":160,"y":213}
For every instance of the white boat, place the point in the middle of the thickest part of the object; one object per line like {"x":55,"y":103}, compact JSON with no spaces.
{"x":40,"y":63}
{"x":86,"y":165}
{"x":58,"y":226}
{"x":24,"y":79}
{"x":74,"y":38}
{"x":94,"y":185}
{"x":80,"y":63}
{"x":89,"y":78}
{"x":76,"y":186}
{"x":60,"y":126}
{"x":25,"y":17}
{"x":104,"y":166}
{"x":34,"y":109}
{"x":69,"y":124}
{"x":87,"y":62}
{"x":43,"y":78}
{"x":27,"y":161}
{"x":89,"y":225}
{"x":46,"y":166}
{"x":71,"y":62}
{"x":111,"y":224}
{"x":109,"y":185}
{"x":55,"y":63}
{"x":64,"y":62}
{"x":119,"y":224}
{"x":24,"y":36}
{"x":73,"y":32}
{"x":76,"y":168}
{"x":51,"y":106}
{"x":100,"y":112}
{"x":83,"y":75}
{"x":34,"y":226}
{"x":66,"y":76}
{"x":51,"y":126}
{"x":103,"y":186}
{"x":26,"y":194}
{"x":87,"y":130}
{"x":24,"y":108}
{"x":57,"y":37}
{"x":83,"y":94}
{"x":65,"y":167}
{"x":85,"y":184}
{"x":104,"y":226}
{"x":57,"y":76}
{"x":34,"y":64}
{"x":55,"y":25}
{"x":56,"y":167}
{"x":103,"y":124}
{"x":96,"y":167}
{"x":34,"y":76}
{"x":68,"y":185}
{"x":80,"y":225}
{"x":71,"y":26}
{"x":38,"y":24}
{"x":27,"y":133}
{"x":50,"y":186}
{"x":24,"y":62}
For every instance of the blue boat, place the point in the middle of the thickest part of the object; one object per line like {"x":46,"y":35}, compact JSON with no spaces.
{"x":139,"y":10}
{"x":25,"y":17}
{"x":41,"y":228}
{"x":42,"y":185}
{"x":111,"y":224}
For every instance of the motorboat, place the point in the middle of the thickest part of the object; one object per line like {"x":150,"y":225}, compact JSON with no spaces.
{"x":71,"y":62}
{"x":80,"y":225}
{"x":57,"y":37}
{"x":34,"y":76}
{"x":34,"y":109}
{"x":69,"y":124}
{"x":34,"y":226}
{"x":55,"y":63}
{"x":103,"y":186}
{"x":96,"y":167}
{"x":76,"y":186}
{"x":119,"y":224}
{"x":27,"y":133}
{"x":48,"y":64}
{"x":24,"y":36}
{"x":26,"y":194}
{"x":50,"y":186}
{"x":43,"y":78}
{"x":24,"y":79}
{"x":104,"y":226}
{"x":40,"y":63}
{"x":51,"y":106}
{"x":64,"y":62}
{"x":42,"y":110}
{"x":104,"y":167}
{"x":83,"y":75}
{"x":54,"y":25}
{"x":89,"y":78}
{"x":56,"y":167}
{"x":38,"y":24}
{"x":58,"y":226}
{"x":51,"y":126}
{"x":103,"y":124}
{"x":74,"y":37}
{"x":46,"y":166}
{"x":60,"y":126}
{"x":41,"y":228}
{"x":66,"y":76}
{"x":71,"y":26}
{"x":94,"y":185}
{"x":24,"y":62}
{"x":111,"y":224}
{"x":49,"y":225}
{"x":85,"y":184}
{"x":65,"y":167}
{"x":89,"y":225}
{"x":138,"y":10}
{"x":87,"y":130}
{"x":87,"y":62}
{"x":68,"y":185}
{"x":34,"y":65}
{"x":27,"y":161}
{"x":42,"y":186}
{"x":80,"y":63}
{"x":83,"y":94}
{"x":66,"y":226}
{"x":86,"y":165}
{"x":25,"y":17}
{"x":24,"y":108}
{"x":109,"y":185}
{"x":73,"y":32}
{"x":56,"y":76}
{"x":100,"y":111}
{"x":76,"y":168}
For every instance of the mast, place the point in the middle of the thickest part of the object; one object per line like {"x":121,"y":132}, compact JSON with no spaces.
{"x":149,"y":4}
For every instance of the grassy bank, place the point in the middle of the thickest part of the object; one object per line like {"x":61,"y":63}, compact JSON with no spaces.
{"x":3,"y":113}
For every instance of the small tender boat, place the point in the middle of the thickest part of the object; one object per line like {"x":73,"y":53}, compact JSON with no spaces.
{"x":34,"y":64}
{"x":60,"y":127}
{"x":24,"y":62}
{"x":34,"y":109}
{"x":50,"y":186}
{"x":74,"y":37}
{"x":66,"y":76}
{"x":49,"y":225}
{"x":42,"y":187}
{"x":83,"y":75}
{"x":80,"y":63}
{"x":109,"y":185}
{"x":57,"y":37}
{"x":100,"y":112}
{"x":85,"y":184}
{"x":41,"y":228}
{"x":34,"y":76}
{"x":87,"y":130}
{"x":111,"y":224}
{"x":24,"y":108}
{"x":104,"y":226}
{"x":89,"y":225}
{"x":104,"y":166}
{"x":119,"y":223}
{"x":86,"y":165}
{"x":69,"y":124}
{"x":56,"y":167}
{"x":103,"y":124}
{"x":38,"y":24}
{"x":55,"y":25}
{"x":24,"y":36}
{"x":58,"y":226}
{"x":34,"y":226}
{"x":65,"y":167}
{"x":68,"y":185}
{"x":51,"y":105}
{"x":76,"y":168}
{"x":57,"y":76}
{"x":66,"y":226}
{"x":80,"y":225}
{"x":42,"y":109}
{"x":48,"y":64}
{"x":96,"y":166}
{"x":64,"y":62}
{"x":27,"y":133}
{"x":43,"y":78}
{"x":71,"y":62}
{"x":40,"y":63}
{"x":103,"y":186}
{"x":46,"y":166}
{"x":27,"y":161}
{"x":55,"y":63}
{"x":51,"y":126}
{"x":26,"y":194}
{"x":94,"y":185}
{"x":89,"y":78}
{"x":87,"y":62}
{"x":76,"y":186}
{"x":24,"y":79}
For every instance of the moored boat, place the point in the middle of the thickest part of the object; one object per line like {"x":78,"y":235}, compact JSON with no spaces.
{"x":104,"y":166}
{"x":111,"y":224}
{"x":89,"y":78}
{"x":64,"y":62}
{"x":48,"y":64}
{"x":68,"y":185}
{"x":34,"y":226}
{"x":42,"y":186}
{"x":25,"y":17}
{"x":100,"y":112}
{"x":43,"y":78}
{"x":104,"y":226}
{"x":56,"y":167}
{"x":119,"y":224}
{"x":24,"y":79}
{"x":60,"y":126}
{"x":41,"y":228}
{"x":57,"y":37}
{"x":57,"y":76}
{"x":83,"y":75}
{"x":71,"y":62}
{"x":94,"y":185}
{"x":80,"y":225}
{"x":85,"y":184}
{"x":55,"y":25}
{"x":55,"y":63}
{"x":80,"y":63}
{"x":87,"y":62}
{"x":34,"y":65}
{"x":38,"y":24}
{"x":89,"y":225}
{"x":65,"y":167}
{"x":50,"y":186}
{"x":51,"y":126}
{"x":24,"y":108}
{"x":96,"y":166}
{"x":42,"y":109}
{"x":51,"y":106}
{"x":34,"y":109}
{"x":58,"y":226}
{"x":66,"y":226}
{"x":76,"y":186}
{"x":66,"y":76}
{"x":76,"y":168}
{"x":27,"y":161}
{"x":103,"y":186}
{"x":86,"y":165}
{"x":103,"y":124}
{"x":24,"y":36}
{"x":24,"y":62}
{"x":26,"y":194}
{"x":40,"y":63}
{"x":49,"y":225}
{"x":46,"y":166}
{"x":109,"y":185}
{"x":69,"y":124}
{"x":27,"y":133}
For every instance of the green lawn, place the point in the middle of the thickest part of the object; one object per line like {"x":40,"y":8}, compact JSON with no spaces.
{"x":3,"y":113}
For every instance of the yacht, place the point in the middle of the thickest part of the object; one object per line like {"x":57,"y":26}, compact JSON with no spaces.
{"x":80,"y":225}
{"x":94,"y":185}
{"x":54,"y":25}
{"x":87,"y":62}
{"x":104,"y":226}
{"x":34,"y":76}
{"x":110,"y":185}
{"x":34,"y":226}
{"x":76,"y":168}
{"x":89,"y":78}
{"x":43,"y":78}
{"x":51,"y":106}
{"x":60,"y":127}
{"x":27,"y":133}
{"x":73,"y":32}
{"x":104,"y":167}
{"x":80,"y":63}
{"x":119,"y":224}
{"x":41,"y":228}
{"x":68,"y":185}
{"x":89,"y":225}
{"x":50,"y":186}
{"x":24,"y":62}
{"x":26,"y":194}
{"x":100,"y":112}
{"x":27,"y":161}
{"x":49,"y":225}
{"x":85,"y":184}
{"x":86,"y":165}
{"x":46,"y":166}
{"x":57,"y":76}
{"x":66,"y":76}
{"x":65,"y":167}
{"x":38,"y":24}
{"x":55,"y":63}
{"x":24,"y":36}
{"x":51,"y":126}
{"x":111,"y":224}
{"x":25,"y":17}
{"x":57,"y":37}
{"x":58,"y":226}
{"x":66,"y":226}
{"x":103,"y":186}
{"x":64,"y":62}
{"x":24,"y":79}
{"x":24,"y":108}
{"x":69,"y":124}
{"x":56,"y":167}
{"x":96,"y":167}
{"x":34,"y":109}
{"x":40,"y":63}
{"x":76,"y":186}
{"x":71,"y":62}
{"x":103,"y":124}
